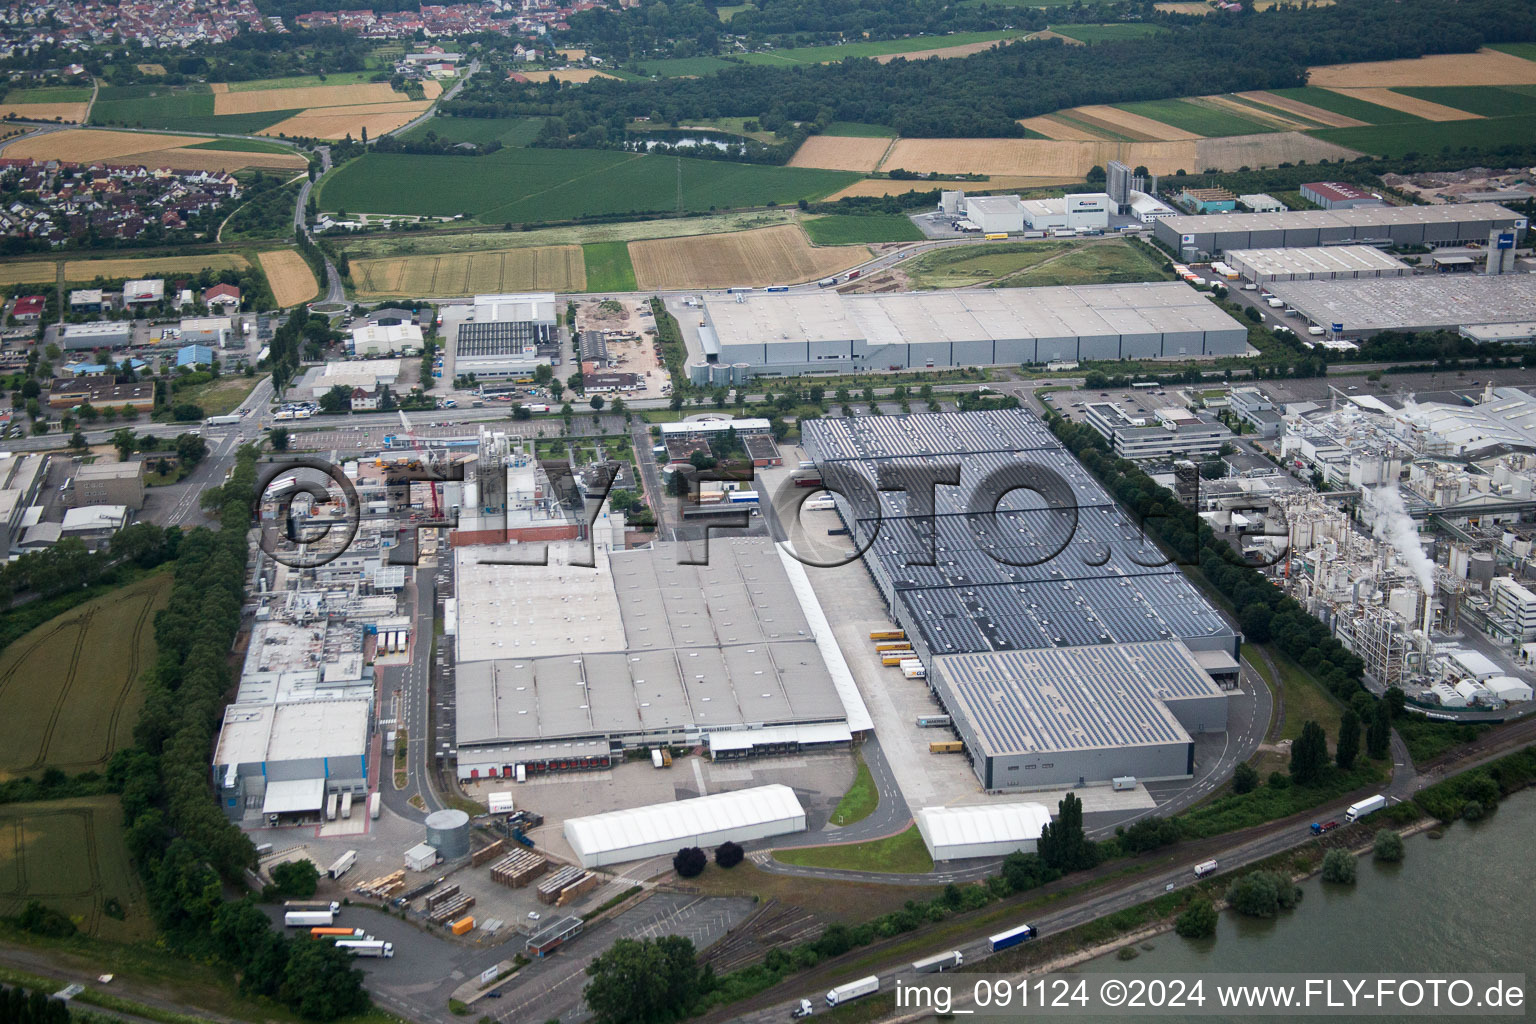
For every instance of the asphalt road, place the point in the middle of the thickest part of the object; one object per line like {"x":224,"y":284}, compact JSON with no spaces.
{"x":407,"y":689}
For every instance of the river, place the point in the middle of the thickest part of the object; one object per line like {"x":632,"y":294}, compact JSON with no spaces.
{"x":1460,"y":903}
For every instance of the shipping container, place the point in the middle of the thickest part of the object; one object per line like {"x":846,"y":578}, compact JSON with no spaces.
{"x":1012,"y":937}
{"x":894,"y":660}
{"x":331,"y":905}
{"x":463,"y":926}
{"x":894,"y":646}
{"x":946,"y":747}
{"x":330,"y":807}
{"x":777,"y":288}
{"x":826,"y":282}
{"x":933,"y":721}
{"x":1370,"y":805}
{"x":1123,"y":783}
{"x":995,"y":236}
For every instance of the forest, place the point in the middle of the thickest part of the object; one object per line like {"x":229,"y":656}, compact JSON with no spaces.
{"x":983,"y":95}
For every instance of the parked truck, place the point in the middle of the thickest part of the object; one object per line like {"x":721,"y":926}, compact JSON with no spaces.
{"x":853,"y":990}
{"x":330,"y":905}
{"x":1012,"y":937}
{"x":1370,"y":805}
{"x":373,"y":804}
{"x":330,"y":807}
{"x":308,"y":919}
{"x":346,"y":804}
{"x":939,"y":962}
{"x":366,"y":947}
{"x":342,"y":865}
{"x":1205,"y":867}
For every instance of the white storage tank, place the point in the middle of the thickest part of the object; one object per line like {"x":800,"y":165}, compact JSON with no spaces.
{"x":448,"y":833}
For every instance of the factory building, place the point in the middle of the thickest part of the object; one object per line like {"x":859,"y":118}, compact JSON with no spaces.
{"x":21,"y":479}
{"x":143,"y":293}
{"x":101,"y":392}
{"x":1082,"y":211}
{"x":564,"y":667}
{"x":1362,"y":307}
{"x":1339,"y":195}
{"x":737,"y":816}
{"x":1068,"y":716}
{"x":1147,"y":208}
{"x":194,"y":356}
{"x":509,"y":336}
{"x":287,"y":757}
{"x":986,"y":830}
{"x":1267,"y":266}
{"x":826,"y":332}
{"x":109,"y":483}
{"x":97,"y":334}
{"x":1434,"y":226}
{"x":364,"y":374}
{"x":1176,"y":434}
{"x":1261,"y":202}
{"x":218,"y":331}
{"x":995,"y":214}
{"x":386,"y":339}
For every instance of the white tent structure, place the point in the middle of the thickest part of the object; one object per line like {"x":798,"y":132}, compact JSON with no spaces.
{"x":988,"y":830}
{"x":1508,"y":688}
{"x":641,"y":832}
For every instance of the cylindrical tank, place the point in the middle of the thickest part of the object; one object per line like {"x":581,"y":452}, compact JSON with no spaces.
{"x":719,"y":374}
{"x":1405,"y":603}
{"x":448,"y":833}
{"x":698,"y":374}
{"x":1460,"y":561}
{"x":1480,"y":568}
{"x":741,"y":373}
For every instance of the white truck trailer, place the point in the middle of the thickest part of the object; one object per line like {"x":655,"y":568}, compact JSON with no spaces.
{"x":1370,"y":805}
{"x":308,"y":919}
{"x":853,"y":990}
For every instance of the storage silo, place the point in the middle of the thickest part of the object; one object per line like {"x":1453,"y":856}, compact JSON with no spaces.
{"x":1480,"y":569}
{"x":698,"y":374}
{"x":720,"y":374}
{"x":741,"y":373}
{"x":448,"y":833}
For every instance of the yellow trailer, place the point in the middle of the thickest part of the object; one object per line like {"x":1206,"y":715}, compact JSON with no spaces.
{"x":946,"y":747}
{"x":893,"y":646}
{"x":888,"y":634}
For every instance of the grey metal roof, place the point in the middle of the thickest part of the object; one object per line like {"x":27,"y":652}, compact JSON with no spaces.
{"x":1422,"y":301}
{"x":1075,"y":699}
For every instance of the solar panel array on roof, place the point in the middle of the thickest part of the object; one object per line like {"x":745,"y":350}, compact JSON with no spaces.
{"x":1054,"y":563}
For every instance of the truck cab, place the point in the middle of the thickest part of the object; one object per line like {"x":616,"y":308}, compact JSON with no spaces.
{"x":1327,"y":826}
{"x":803,"y":1010}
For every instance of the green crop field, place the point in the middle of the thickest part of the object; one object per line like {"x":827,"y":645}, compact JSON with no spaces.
{"x":1110,"y":263}
{"x":853,"y":229}
{"x":176,"y":108}
{"x":1192,"y":117}
{"x":608,"y":267}
{"x":509,"y":131}
{"x":860,"y":130}
{"x":304,"y":81}
{"x":1395,"y":141}
{"x":1487,"y":100}
{"x":1264,"y":108}
{"x":49,"y":94}
{"x":541,"y":185}
{"x":727,"y":13}
{"x":1525,"y":50}
{"x":1106,"y":33}
{"x":242,"y":146}
{"x":69,"y":690}
{"x":820,"y":54}
{"x":69,"y":855}
{"x":1338,"y":103}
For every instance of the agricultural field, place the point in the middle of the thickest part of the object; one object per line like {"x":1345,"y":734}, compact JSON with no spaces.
{"x":509,"y":131}
{"x":1062,"y":127}
{"x":1299,"y":114}
{"x":291,"y":278}
{"x":1349,"y":107}
{"x":1481,"y":100}
{"x":1269,"y":150}
{"x":994,"y":183}
{"x":1106,"y":33}
{"x":608,"y":267}
{"x":1485,"y":67}
{"x":531,"y":185}
{"x":298,"y":81}
{"x":182,"y":152}
{"x":281,"y":106}
{"x":559,"y":268}
{"x":859,"y":129}
{"x":1525,"y":51}
{"x":1105,"y":263}
{"x":958,"y":44}
{"x":779,"y":255}
{"x":67,"y":103}
{"x":70,"y":855}
{"x":841,"y":153}
{"x":854,"y":229}
{"x":180,"y":108}
{"x":1199,"y":119}
{"x":86,"y":271}
{"x":575,"y":76}
{"x":375,"y":119}
{"x":1128,"y":124}
{"x":69,"y":690}
{"x":1411,"y":105}
{"x":1393,"y":141}
{"x":1039,"y":158}
{"x":970,"y":266}
{"x":264,"y":97}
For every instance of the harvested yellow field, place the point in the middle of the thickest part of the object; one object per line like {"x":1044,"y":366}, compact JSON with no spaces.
{"x":30,"y":272}
{"x":840,"y":153}
{"x":259,"y":101}
{"x":290,"y":277}
{"x":1048,"y":34}
{"x":151,"y":69}
{"x":575,"y":53}
{"x":1485,"y":67}
{"x":431,"y":89}
{"x":1183,"y":8}
{"x":1134,"y":125}
{"x":84,"y":271}
{"x":1408,"y":104}
{"x":1268,"y":150}
{"x":218,"y":87}
{"x":889,"y":187}
{"x":1036,"y":158}
{"x":575,"y":75}
{"x":1305,"y":110}
{"x":1051,"y":128}
{"x":548,"y":268}
{"x":778,"y":255}
{"x":1270,"y":119}
{"x":45,"y":111}
{"x":942,"y":52}
{"x":339,"y":122}
{"x":150,"y":150}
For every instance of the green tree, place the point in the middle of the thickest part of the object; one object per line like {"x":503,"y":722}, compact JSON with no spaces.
{"x":729,"y":854}
{"x":124,"y":441}
{"x":690,"y":861}
{"x":190,"y":449}
{"x":1378,"y":737}
{"x":1245,"y":778}
{"x":1263,"y":894}
{"x":1348,"y":747}
{"x":338,"y":399}
{"x":296,"y":879}
{"x":1198,"y":921}
{"x":320,"y":983}
{"x":1387,"y":847}
{"x":596,"y":402}
{"x":1339,"y":867}
{"x":645,"y":981}
{"x":1063,"y":844}
{"x":77,"y":440}
{"x":279,"y":438}
{"x":1309,"y":755}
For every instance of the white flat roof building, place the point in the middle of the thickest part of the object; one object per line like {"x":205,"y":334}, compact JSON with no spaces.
{"x":995,"y":214}
{"x":374,"y":340}
{"x":1423,"y":302}
{"x":706,"y":821}
{"x":537,"y":307}
{"x":984,"y":830}
{"x":1315,"y":263}
{"x":143,"y":292}
{"x":367,"y":374}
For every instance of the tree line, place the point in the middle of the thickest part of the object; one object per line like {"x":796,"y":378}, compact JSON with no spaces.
{"x":985,"y":94}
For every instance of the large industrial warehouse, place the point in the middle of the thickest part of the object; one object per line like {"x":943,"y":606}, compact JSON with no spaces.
{"x":1263,"y":266}
{"x":1057,"y":566}
{"x":569,"y":665}
{"x":640,"y":832}
{"x":1450,"y":224}
{"x":990,"y":830}
{"x":1066,"y":716}
{"x":1421,"y":303}
{"x":826,"y":332}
